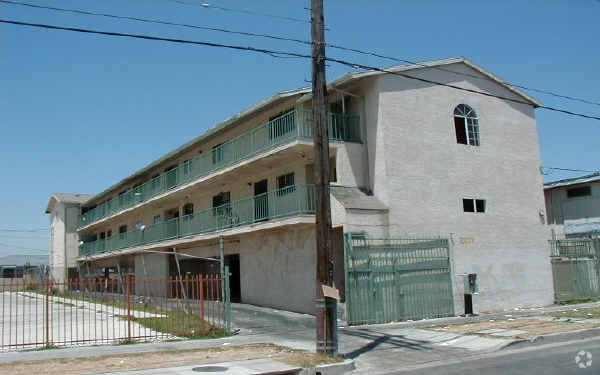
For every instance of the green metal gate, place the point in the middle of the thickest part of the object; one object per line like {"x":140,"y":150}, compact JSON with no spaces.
{"x":575,"y":268}
{"x":390,"y":280}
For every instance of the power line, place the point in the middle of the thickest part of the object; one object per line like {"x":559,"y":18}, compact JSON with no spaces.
{"x":572,"y":170}
{"x":372,"y":68}
{"x":280,"y":54}
{"x":23,"y":237}
{"x":155,"y":38}
{"x":242,"y":11}
{"x":22,"y":247}
{"x":24,"y":230}
{"x":547,"y":92}
{"x":156,"y":21}
{"x":295,"y":40}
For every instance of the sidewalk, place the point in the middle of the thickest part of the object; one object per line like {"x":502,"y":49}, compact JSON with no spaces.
{"x":372,"y":347}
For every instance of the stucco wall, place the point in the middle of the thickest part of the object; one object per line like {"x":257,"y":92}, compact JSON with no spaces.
{"x":427,"y":174}
{"x":277,"y":268}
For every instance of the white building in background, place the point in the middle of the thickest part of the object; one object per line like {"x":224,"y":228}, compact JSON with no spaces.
{"x":64,"y":209}
{"x":408,"y":158}
{"x":573,"y":206}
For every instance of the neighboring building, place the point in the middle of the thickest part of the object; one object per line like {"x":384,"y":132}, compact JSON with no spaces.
{"x":408,"y":158}
{"x":64,"y":210}
{"x":573,"y":206}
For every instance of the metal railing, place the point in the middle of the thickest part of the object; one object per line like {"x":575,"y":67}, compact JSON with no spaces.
{"x":294,"y":125}
{"x":94,"y":311}
{"x":288,"y":201}
{"x":575,"y":248}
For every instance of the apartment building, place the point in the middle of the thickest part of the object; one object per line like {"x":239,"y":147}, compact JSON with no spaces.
{"x":408,"y":158}
{"x":64,"y":210}
{"x":573,"y":206}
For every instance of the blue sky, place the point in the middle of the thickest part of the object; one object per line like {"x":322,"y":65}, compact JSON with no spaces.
{"x":80,"y":112}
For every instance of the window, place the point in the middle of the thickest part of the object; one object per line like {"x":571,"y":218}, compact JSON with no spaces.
{"x":474,"y":205}
{"x":122,"y":231}
{"x":466,"y":125}
{"x":221,"y":203}
{"x":187,"y":168}
{"x":582,"y":191}
{"x":285,"y":184}
{"x":109,"y":233}
{"x":217,"y":153}
{"x":155,"y":182}
{"x":188,"y":209}
{"x":156,"y":219}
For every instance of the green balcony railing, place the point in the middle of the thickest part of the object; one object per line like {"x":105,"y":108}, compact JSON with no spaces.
{"x":280,"y":203}
{"x":288,"y":127}
{"x":575,"y":248}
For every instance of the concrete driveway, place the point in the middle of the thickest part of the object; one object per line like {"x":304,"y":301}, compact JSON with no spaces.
{"x":23,"y":322}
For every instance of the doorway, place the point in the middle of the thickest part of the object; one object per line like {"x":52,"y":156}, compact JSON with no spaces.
{"x":261,"y":201}
{"x":235,"y":287}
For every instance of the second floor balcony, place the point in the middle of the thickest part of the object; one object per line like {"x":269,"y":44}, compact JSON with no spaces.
{"x":291,"y":126}
{"x":281,"y":203}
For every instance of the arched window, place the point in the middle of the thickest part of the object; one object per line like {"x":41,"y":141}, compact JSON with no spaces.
{"x":466,"y":125}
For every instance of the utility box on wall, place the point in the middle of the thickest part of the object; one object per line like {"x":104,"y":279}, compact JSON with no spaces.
{"x":471,"y":290}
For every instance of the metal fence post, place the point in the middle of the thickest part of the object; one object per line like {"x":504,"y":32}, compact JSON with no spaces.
{"x":47,"y":312}
{"x":201,"y":297}
{"x":128,"y":297}
{"x":227,"y":300}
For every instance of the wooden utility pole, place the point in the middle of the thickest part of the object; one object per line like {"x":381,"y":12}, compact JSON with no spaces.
{"x":325,"y":329}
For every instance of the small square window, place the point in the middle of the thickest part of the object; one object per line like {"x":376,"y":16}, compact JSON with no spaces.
{"x":480,"y":205}
{"x":468,"y":205}
{"x":474,"y":205}
{"x":285,"y":183}
{"x":582,"y":191}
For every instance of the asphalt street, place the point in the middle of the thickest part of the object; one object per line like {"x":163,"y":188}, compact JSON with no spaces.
{"x":551,"y":359}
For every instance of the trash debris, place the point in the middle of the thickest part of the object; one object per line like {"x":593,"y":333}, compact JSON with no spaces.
{"x":562,"y":320}
{"x":226,"y":343}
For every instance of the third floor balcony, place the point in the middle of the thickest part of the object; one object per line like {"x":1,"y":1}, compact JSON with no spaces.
{"x":290,"y":127}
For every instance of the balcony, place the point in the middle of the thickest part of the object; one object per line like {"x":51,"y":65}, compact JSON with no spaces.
{"x":290,"y":127}
{"x":289,"y":201}
{"x":575,"y":248}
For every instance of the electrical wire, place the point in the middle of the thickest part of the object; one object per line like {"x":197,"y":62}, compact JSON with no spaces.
{"x":24,"y":230}
{"x":372,"y":68}
{"x":572,"y":170}
{"x":22,"y":247}
{"x":280,"y":54}
{"x":295,"y":40}
{"x":242,"y":11}
{"x":155,"y":21}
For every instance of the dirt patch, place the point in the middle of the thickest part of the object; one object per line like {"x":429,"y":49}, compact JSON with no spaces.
{"x":533,"y":327}
{"x":592,"y":313}
{"x":140,"y":361}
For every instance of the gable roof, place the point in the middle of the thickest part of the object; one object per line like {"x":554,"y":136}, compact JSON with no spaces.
{"x":573,"y":181}
{"x":66,"y":198}
{"x":439,"y":64}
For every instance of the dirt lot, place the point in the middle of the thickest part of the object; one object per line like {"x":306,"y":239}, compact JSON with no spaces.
{"x":139,"y":361}
{"x":593,"y":313}
{"x":533,"y":327}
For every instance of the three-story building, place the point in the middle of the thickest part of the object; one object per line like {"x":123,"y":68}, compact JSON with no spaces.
{"x":408,"y":158}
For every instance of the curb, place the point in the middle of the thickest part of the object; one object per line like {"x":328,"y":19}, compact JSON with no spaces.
{"x":554,"y":338}
{"x":330,"y":369}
